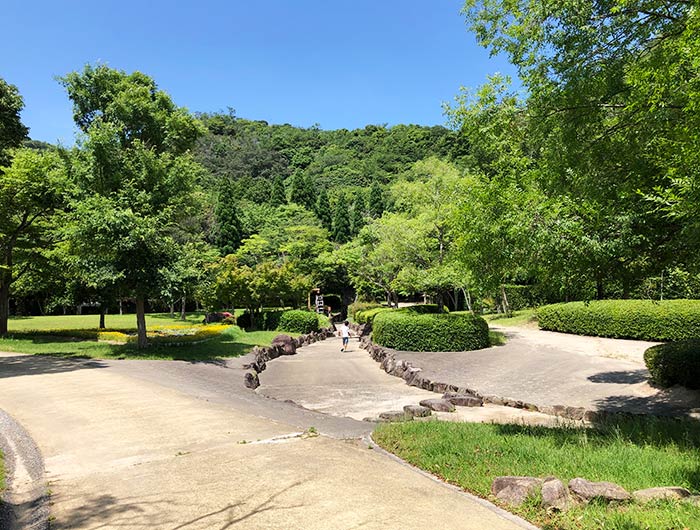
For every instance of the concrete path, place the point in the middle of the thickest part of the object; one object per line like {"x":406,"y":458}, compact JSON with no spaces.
{"x":547,"y":368}
{"x":350,"y":384}
{"x":134,"y":445}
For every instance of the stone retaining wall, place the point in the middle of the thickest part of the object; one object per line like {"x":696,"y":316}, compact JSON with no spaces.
{"x":281,"y":345}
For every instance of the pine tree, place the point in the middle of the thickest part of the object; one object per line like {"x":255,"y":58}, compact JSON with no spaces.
{"x":341,"y":222}
{"x":323,"y":210}
{"x":278,"y":196}
{"x":376,"y":200}
{"x":229,"y":234}
{"x":357,"y":220}
{"x":302,"y":191}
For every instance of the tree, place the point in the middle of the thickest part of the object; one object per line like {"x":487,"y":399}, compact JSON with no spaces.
{"x":278,"y":196}
{"x":323,"y":209}
{"x":341,"y":221}
{"x":357,"y":219}
{"x":376,"y":200}
{"x":138,"y":180}
{"x":32,"y":191}
{"x":302,"y":191}
{"x":228,"y":224}
{"x":12,"y":130}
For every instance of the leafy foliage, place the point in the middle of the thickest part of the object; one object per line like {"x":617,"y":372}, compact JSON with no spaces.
{"x":298,"y":321}
{"x":625,"y":319}
{"x":406,"y":330}
{"x":675,"y":363}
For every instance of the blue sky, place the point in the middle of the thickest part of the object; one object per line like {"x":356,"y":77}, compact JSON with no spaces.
{"x":344,"y":63}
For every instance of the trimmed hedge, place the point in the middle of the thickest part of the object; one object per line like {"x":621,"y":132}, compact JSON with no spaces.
{"x":367,"y":316}
{"x":267,"y":320}
{"x":356,"y":307}
{"x":423,"y":309}
{"x":298,"y":321}
{"x":409,"y":331}
{"x":625,"y":319}
{"x":675,"y":363}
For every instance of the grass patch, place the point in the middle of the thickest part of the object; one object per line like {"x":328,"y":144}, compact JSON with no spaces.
{"x":636,"y":453}
{"x":496,"y":338}
{"x":522,"y":318}
{"x":119,"y":322}
{"x":233,"y":342}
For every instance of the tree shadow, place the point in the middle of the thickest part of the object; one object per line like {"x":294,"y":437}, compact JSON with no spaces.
{"x":108,"y":511}
{"x":21,"y":365}
{"x":664,"y":403}
{"x":622,"y":377}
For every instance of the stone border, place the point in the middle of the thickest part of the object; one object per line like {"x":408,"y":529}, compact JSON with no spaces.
{"x":24,"y":505}
{"x":393,"y":365}
{"x":288,"y":346}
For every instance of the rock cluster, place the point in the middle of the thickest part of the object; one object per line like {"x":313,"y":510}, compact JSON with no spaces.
{"x":556,"y":496}
{"x":281,"y":345}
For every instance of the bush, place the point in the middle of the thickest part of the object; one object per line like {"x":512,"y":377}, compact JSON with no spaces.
{"x":625,"y":319}
{"x":521,"y":296}
{"x":405,"y":330}
{"x":425,"y":309}
{"x":355,"y":307}
{"x":675,"y":363}
{"x":298,"y":321}
{"x":267,"y":320}
{"x":367,"y":316}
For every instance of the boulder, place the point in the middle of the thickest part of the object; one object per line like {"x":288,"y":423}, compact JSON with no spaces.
{"x":555,"y":496}
{"x":417,"y":411}
{"x":438,"y":405}
{"x":463,"y":400}
{"x":394,"y":415}
{"x":251,"y":379}
{"x":664,"y":492}
{"x":587,"y":490}
{"x":515,"y":490}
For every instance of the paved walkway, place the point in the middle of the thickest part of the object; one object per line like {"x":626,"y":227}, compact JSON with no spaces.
{"x":176,"y":445}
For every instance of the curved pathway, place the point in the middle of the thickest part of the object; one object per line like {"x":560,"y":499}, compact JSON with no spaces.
{"x":176,"y":445}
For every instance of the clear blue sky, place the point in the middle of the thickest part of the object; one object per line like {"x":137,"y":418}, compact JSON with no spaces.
{"x":338,"y":63}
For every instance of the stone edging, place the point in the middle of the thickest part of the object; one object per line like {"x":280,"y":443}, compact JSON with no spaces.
{"x":391,"y":364}
{"x":286,"y":346}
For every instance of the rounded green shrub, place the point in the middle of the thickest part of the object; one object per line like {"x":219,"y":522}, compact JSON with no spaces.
{"x":298,"y":321}
{"x":675,"y":363}
{"x":367,"y":316}
{"x":423,"y":309}
{"x":625,"y":319}
{"x":356,"y":307}
{"x":410,"y":331}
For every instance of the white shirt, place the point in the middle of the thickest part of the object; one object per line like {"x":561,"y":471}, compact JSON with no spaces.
{"x":345,"y":331}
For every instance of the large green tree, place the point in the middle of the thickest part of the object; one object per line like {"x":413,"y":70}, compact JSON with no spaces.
{"x":12,"y":130}
{"x":138,"y":180}
{"x":32,"y":189}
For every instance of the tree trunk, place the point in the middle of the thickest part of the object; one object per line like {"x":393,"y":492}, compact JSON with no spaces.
{"x":438,"y":301}
{"x":172,"y":309}
{"x":506,"y":306}
{"x":102,"y":317}
{"x":4,"y":307}
{"x":141,"y":321}
{"x":599,"y":289}
{"x":183,"y":314}
{"x":121,"y":308}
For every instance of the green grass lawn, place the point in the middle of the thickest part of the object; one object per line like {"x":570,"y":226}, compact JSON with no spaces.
{"x":231,"y":343}
{"x":524,"y":317}
{"x":93,"y":321}
{"x":635,"y":454}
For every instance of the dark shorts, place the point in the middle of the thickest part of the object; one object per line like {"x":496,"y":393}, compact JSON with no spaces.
{"x":346,"y":340}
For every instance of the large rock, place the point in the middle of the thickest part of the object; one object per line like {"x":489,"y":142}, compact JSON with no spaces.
{"x":587,"y":490}
{"x":665,"y":492}
{"x":438,"y":405}
{"x":515,"y":490}
{"x":394,"y":415}
{"x":555,"y":495}
{"x":285,"y":343}
{"x":417,"y":411}
{"x":463,"y":400}
{"x":251,"y":379}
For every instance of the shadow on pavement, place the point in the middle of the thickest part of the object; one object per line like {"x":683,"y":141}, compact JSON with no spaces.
{"x":108,"y":511}
{"x":673,"y":402}
{"x":19,"y":365}
{"x":625,"y":377}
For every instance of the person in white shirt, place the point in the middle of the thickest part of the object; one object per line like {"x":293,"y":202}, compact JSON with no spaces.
{"x":345,"y":334}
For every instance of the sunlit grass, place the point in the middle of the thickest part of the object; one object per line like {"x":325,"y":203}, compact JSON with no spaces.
{"x":524,"y":317}
{"x":635,"y":454}
{"x":127,"y":321}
